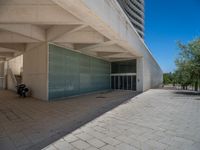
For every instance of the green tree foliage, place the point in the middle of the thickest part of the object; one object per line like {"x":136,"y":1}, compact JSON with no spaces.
{"x":188,"y":64}
{"x":167,"y":78}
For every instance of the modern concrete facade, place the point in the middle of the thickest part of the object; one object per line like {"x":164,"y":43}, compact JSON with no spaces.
{"x":134,"y":9}
{"x":74,"y":47}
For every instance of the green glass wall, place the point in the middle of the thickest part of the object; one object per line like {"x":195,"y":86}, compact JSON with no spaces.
{"x":72,"y":73}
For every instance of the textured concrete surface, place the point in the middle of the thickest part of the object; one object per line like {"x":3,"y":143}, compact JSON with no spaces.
{"x":33,"y":124}
{"x":155,"y":120}
{"x":97,"y":28}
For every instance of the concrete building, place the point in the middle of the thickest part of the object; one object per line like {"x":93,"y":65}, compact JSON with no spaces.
{"x":134,"y":9}
{"x":62,"y":48}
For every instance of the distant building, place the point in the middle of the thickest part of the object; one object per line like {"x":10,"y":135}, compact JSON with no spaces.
{"x":134,"y":9}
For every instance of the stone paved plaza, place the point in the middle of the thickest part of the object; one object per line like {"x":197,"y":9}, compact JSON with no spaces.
{"x":33,"y":124}
{"x":155,"y":120}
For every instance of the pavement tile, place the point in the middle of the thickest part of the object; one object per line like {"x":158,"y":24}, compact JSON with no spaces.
{"x":155,"y":120}
{"x":7,"y":144}
{"x":81,"y":145}
{"x":96,"y":143}
{"x":84,"y":136}
{"x":63,"y":145}
{"x":108,"y":147}
{"x":70,"y":138}
{"x":111,"y":141}
{"x":30,"y":122}
{"x":124,"y":146}
{"x":50,"y":147}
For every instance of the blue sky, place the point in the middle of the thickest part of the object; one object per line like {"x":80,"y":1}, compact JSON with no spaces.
{"x":169,"y":21}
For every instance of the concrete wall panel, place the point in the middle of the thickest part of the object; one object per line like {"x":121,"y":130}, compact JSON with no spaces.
{"x":140,"y":75}
{"x":35,"y":70}
{"x":16,"y":66}
{"x":152,"y":75}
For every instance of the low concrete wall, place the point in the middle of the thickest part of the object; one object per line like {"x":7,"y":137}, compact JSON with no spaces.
{"x":152,"y":74}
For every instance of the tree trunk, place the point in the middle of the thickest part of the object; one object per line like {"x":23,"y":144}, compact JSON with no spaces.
{"x":196,"y":86}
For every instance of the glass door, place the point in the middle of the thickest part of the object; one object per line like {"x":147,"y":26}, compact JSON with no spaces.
{"x":123,"y":82}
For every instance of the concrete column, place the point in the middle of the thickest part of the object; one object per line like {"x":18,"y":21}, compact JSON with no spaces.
{"x":140,"y":63}
{"x":35,"y":69}
{"x":15,"y":65}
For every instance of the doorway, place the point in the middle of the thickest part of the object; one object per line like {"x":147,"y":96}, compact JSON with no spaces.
{"x":123,"y":82}
{"x":123,"y":75}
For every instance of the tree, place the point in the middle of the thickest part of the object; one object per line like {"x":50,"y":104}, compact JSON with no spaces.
{"x":167,"y":78}
{"x":188,"y":64}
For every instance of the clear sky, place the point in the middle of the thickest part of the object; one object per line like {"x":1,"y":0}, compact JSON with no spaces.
{"x":169,"y":21}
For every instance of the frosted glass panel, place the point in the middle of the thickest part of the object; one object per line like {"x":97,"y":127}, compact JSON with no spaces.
{"x":72,"y":73}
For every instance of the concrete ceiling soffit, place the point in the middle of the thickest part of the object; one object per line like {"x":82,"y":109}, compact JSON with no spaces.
{"x":103,"y":54}
{"x":98,"y":45}
{"x":80,"y":9}
{"x":30,"y":46}
{"x":82,"y":46}
{"x":59,"y":31}
{"x":30,"y":31}
{"x":35,"y":14}
{"x":2,"y":58}
{"x":113,"y":48}
{"x":26,"y":2}
{"x":6,"y":50}
{"x":66,"y":45}
{"x":129,"y":48}
{"x":6,"y":54}
{"x":118,"y":59}
{"x":10,"y":37}
{"x":121,"y":55}
{"x":13,"y":46}
{"x":82,"y":35}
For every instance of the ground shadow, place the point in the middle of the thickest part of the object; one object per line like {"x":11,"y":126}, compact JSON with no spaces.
{"x":188,"y":93}
{"x":84,"y":120}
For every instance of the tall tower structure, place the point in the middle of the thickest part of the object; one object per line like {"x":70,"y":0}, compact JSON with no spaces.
{"x":134,"y":9}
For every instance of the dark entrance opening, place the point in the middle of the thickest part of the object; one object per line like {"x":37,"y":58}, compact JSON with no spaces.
{"x":123,"y":75}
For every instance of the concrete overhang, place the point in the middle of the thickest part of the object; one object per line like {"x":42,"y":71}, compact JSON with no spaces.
{"x":109,"y":19}
{"x":93,"y":27}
